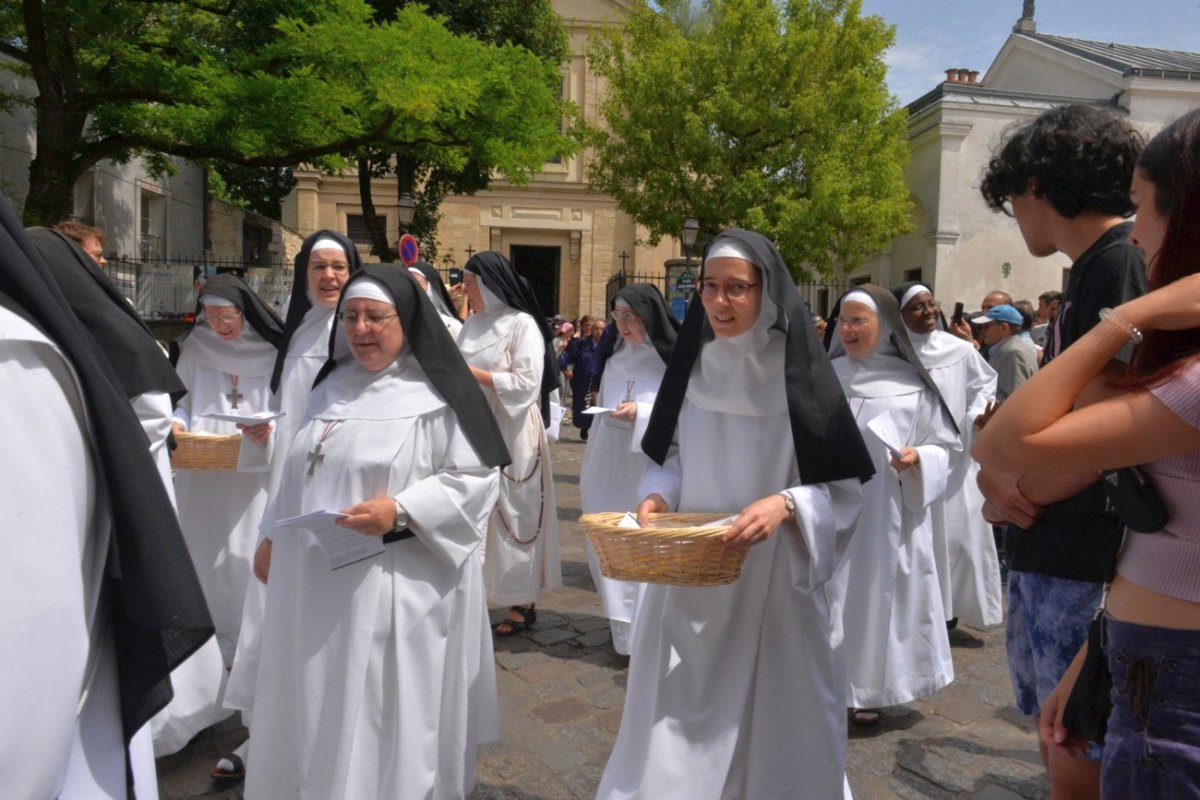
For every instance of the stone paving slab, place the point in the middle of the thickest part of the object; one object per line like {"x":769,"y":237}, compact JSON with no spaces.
{"x":562,"y":687}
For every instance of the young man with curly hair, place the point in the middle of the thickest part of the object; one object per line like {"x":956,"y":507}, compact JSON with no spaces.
{"x":1065,"y":178}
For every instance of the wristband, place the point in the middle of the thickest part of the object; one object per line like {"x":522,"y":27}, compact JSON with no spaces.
{"x":1108,"y":315}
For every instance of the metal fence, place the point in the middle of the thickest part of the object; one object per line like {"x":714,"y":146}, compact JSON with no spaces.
{"x":166,"y":288}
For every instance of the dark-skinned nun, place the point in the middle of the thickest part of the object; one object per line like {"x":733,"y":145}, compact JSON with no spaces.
{"x":738,"y":691}
{"x":376,"y":677}
{"x":431,"y":283}
{"x":509,"y":349}
{"x":896,"y":644}
{"x":631,"y":366}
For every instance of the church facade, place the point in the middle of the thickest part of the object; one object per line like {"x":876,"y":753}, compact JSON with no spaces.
{"x":957,"y":245}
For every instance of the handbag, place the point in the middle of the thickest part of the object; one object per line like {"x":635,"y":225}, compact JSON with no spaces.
{"x":1090,"y":703}
{"x":1137,"y":502}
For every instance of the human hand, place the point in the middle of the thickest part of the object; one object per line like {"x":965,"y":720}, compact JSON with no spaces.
{"x":909,"y":458}
{"x":177,"y":428}
{"x":257,"y":433}
{"x":1051,"y":729}
{"x":373,"y":517}
{"x":653,"y":504}
{"x":1001,"y":490}
{"x":262,"y":560}
{"x":1174,"y":307}
{"x":626,"y":412}
{"x":991,"y":515}
{"x":757,"y":521}
{"x":962,"y":329}
{"x":983,"y":418}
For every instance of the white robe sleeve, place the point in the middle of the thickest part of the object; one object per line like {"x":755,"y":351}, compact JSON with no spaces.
{"x":449,"y":510}
{"x":518,"y":383}
{"x":665,"y":480}
{"x":826,"y":514}
{"x":938,"y":446}
{"x":640,"y":423}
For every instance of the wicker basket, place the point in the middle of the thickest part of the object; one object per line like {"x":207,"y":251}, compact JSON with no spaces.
{"x":206,"y":451}
{"x":672,"y":552}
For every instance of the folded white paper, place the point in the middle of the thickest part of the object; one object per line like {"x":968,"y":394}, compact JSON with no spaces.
{"x":885,"y":430}
{"x":247,"y":419}
{"x":598,"y":410}
{"x":341,"y":546}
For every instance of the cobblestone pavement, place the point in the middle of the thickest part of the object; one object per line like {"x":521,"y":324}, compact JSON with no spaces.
{"x":562,"y":688}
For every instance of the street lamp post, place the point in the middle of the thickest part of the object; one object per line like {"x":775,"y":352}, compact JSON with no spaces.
{"x":406,"y":209}
{"x":690,"y":230}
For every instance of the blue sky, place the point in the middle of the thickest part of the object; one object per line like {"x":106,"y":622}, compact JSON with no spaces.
{"x":934,"y":35}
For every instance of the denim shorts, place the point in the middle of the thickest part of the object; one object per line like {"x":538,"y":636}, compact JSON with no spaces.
{"x":1048,"y":621}
{"x":1153,"y":744}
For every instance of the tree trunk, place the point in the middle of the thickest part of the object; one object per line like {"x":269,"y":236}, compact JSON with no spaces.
{"x":379,"y":238}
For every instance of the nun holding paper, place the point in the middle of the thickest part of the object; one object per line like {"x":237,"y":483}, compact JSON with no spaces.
{"x":896,"y":646}
{"x":738,"y":690}
{"x":377,"y":678}
{"x":631,"y":366}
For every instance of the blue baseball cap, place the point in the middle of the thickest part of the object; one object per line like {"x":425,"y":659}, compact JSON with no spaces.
{"x":1000,"y":313}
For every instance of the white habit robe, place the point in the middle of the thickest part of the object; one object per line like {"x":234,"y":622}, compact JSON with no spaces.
{"x":967,"y":563}
{"x":56,"y":640}
{"x":219,"y":513}
{"x":737,"y":691}
{"x":377,"y":679}
{"x":895,"y":640}
{"x":306,"y":354}
{"x":614,"y":463}
{"x":521,"y":559}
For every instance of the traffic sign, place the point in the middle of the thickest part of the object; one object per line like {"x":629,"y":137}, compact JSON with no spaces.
{"x":409,"y":250}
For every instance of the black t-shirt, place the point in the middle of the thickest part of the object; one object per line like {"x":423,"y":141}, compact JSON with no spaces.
{"x":1078,"y":537}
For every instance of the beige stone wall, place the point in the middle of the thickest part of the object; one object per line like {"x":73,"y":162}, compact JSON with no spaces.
{"x":224,"y":230}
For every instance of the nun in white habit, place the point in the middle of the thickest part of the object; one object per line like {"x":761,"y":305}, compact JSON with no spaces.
{"x":431,"y":283}
{"x":508,"y":348}
{"x":325,"y":262}
{"x":967,"y":563}
{"x":377,"y":679}
{"x":737,"y":691}
{"x":895,"y":639}
{"x":631,"y":366}
{"x":102,"y":604}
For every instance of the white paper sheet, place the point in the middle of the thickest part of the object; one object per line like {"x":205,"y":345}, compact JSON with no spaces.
{"x":341,"y":546}
{"x":883,"y":428}
{"x":598,"y":410}
{"x":247,"y":419}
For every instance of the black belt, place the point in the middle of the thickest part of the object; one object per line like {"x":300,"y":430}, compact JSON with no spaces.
{"x":398,"y":536}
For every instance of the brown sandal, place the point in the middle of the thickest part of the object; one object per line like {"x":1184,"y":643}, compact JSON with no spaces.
{"x":515,"y":626}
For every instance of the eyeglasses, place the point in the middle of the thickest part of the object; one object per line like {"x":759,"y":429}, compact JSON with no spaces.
{"x":373,"y":322}
{"x":224,"y":319}
{"x":337,"y":269}
{"x":626,"y":317}
{"x":733,"y":290}
{"x":855,"y":322}
{"x":923,"y":308}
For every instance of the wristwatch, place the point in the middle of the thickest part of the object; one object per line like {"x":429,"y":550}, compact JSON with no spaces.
{"x":401,"y":520}
{"x":789,"y":504}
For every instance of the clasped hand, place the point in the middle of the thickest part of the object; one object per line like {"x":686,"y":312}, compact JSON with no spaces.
{"x":373,"y":517}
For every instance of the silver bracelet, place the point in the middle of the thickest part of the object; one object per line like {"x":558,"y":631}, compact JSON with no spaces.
{"x":1108,"y":315}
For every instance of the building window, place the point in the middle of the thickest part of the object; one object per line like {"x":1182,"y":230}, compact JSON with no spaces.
{"x":912,"y":275}
{"x":562,"y":94}
{"x":256,"y":245}
{"x":357,"y":231}
{"x":152,"y":228}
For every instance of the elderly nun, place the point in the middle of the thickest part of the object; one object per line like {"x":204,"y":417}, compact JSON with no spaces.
{"x":376,"y":678}
{"x":738,"y":690}
{"x":886,"y":589}
{"x":631,"y":366}
{"x":509,"y":349}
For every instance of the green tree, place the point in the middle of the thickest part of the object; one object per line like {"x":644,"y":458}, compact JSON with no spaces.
{"x":268,"y":83}
{"x":776,"y":117}
{"x":532,"y":25}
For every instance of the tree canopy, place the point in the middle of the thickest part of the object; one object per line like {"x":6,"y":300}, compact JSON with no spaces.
{"x":775,"y":116}
{"x":271,"y":83}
